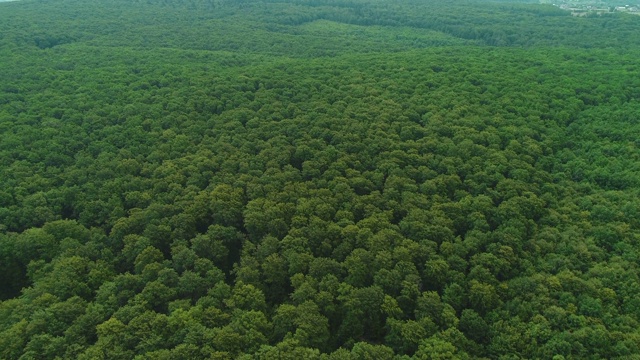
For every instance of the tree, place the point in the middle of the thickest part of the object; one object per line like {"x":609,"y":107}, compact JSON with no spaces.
{"x":435,"y":348}
{"x":363,"y":316}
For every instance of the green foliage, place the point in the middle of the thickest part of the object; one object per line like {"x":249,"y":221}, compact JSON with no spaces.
{"x":318,"y":179}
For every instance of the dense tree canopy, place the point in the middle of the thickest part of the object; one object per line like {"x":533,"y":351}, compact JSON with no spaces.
{"x":318,"y":179}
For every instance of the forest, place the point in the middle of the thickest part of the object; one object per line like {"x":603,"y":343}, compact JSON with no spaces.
{"x":318,"y":179}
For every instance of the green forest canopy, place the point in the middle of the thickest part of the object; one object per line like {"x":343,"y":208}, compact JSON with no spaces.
{"x":321,"y":179}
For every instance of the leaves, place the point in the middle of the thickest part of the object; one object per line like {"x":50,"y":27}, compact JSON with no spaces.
{"x":299,"y":179}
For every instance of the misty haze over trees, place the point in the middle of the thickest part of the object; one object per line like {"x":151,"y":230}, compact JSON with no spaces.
{"x":318,"y":179}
